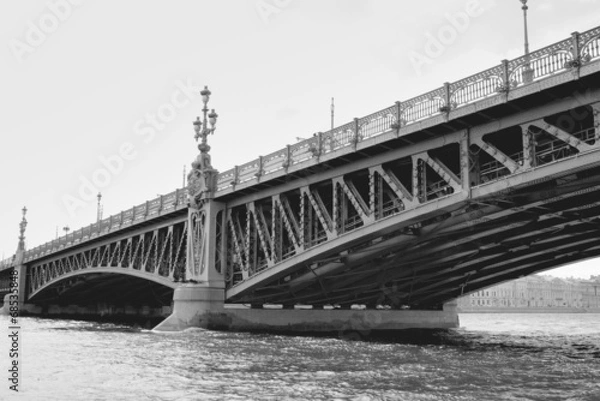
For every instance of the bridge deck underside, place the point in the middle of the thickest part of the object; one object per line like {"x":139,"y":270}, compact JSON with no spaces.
{"x":458,"y":249}
{"x":105,"y":288}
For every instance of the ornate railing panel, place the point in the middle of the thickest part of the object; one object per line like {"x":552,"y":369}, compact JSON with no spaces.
{"x":477,"y":87}
{"x":159,"y":252}
{"x":377,"y":123}
{"x":424,"y":106}
{"x":589,"y":43}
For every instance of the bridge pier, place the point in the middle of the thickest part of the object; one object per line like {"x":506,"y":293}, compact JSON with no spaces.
{"x":202,"y":306}
{"x":195,"y":305}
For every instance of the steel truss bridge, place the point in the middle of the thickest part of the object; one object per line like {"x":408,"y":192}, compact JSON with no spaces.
{"x":483,"y":180}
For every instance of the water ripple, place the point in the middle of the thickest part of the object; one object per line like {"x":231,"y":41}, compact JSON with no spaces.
{"x":491,"y":358}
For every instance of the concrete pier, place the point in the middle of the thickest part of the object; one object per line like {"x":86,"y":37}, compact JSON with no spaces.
{"x":203,"y":307}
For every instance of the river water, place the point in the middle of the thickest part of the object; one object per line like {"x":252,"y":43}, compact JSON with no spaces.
{"x":491,"y":357}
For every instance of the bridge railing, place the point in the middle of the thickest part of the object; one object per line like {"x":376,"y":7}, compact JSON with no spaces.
{"x":571,"y":53}
{"x":163,"y":204}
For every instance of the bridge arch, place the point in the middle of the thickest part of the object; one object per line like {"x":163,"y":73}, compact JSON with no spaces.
{"x":120,"y":281}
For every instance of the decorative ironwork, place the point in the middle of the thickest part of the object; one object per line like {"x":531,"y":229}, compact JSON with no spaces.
{"x":202,"y":177}
{"x":198,"y":245}
{"x":157,"y":253}
{"x":159,"y":206}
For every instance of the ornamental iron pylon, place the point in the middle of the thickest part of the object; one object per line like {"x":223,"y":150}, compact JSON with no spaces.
{"x":202,"y":181}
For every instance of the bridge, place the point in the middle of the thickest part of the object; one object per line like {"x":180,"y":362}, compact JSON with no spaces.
{"x":390,"y":216}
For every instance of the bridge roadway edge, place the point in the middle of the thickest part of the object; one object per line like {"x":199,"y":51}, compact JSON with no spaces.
{"x":202,"y":306}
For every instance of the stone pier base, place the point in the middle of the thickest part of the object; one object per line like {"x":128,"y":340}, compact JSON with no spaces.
{"x":202,"y":306}
{"x":196,"y":305}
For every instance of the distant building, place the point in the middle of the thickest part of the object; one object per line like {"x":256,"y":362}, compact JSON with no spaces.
{"x":535,"y":292}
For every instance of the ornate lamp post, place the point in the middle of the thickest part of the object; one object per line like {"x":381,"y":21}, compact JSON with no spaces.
{"x":527,"y":70}
{"x":99,"y":208}
{"x":200,"y":297}
{"x":22,"y":227}
{"x":201,"y":180}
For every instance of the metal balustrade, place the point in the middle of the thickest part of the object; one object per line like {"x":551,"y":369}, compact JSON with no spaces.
{"x":579,"y":49}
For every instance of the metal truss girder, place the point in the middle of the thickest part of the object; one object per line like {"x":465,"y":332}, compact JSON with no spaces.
{"x":150,"y":254}
{"x":394,"y":183}
{"x":560,"y":134}
{"x":148,"y":249}
{"x":443,"y":171}
{"x":355,"y":199}
{"x":535,"y":200}
{"x":235,"y":232}
{"x":543,"y":173}
{"x":364,"y":164}
{"x":321,"y":212}
{"x":261,"y":229}
{"x":289,"y":221}
{"x":497,"y":154}
{"x":359,"y":235}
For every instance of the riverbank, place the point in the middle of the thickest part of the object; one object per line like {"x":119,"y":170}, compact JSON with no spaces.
{"x":528,"y":310}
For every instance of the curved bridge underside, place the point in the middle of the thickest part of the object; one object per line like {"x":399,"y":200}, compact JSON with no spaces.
{"x":106,"y":285}
{"x":141,"y":266}
{"x":456,"y":247}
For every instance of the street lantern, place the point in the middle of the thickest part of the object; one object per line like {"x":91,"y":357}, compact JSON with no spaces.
{"x":212,"y":118}
{"x":99,"y":208}
{"x":201,"y":127}
{"x":202,"y":178}
{"x":205,"y":93}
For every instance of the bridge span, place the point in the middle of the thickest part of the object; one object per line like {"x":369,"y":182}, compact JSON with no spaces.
{"x":387,"y":218}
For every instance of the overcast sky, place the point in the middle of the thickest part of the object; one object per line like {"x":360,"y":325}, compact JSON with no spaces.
{"x":85,"y":82}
